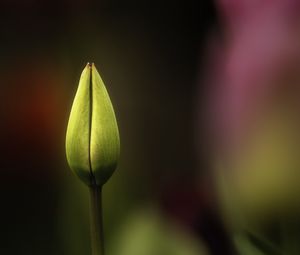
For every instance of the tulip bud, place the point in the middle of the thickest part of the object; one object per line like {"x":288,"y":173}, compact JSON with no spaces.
{"x":92,"y":140}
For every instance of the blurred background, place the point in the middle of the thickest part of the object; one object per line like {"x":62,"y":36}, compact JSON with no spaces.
{"x":151,"y":58}
{"x":206,"y":97}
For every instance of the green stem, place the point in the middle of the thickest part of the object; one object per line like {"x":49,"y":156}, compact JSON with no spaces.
{"x":97,"y":237}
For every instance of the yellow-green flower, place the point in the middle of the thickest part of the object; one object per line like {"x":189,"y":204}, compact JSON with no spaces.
{"x":92,"y":140}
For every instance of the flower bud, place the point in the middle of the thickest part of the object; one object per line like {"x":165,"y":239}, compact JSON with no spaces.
{"x":92,"y":140}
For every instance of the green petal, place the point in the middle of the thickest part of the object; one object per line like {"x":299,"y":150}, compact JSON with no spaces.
{"x":105,"y":142}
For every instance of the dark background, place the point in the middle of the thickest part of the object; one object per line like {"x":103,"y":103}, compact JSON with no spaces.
{"x":151,"y":56}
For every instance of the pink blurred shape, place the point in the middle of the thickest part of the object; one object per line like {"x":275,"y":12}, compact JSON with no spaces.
{"x":261,"y":45}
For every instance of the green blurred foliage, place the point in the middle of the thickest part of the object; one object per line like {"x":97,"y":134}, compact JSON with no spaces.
{"x":259,"y":188}
{"x":148,"y":232}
